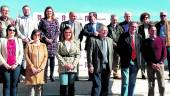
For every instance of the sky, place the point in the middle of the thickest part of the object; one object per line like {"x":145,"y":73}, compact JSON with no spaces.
{"x":118,"y":7}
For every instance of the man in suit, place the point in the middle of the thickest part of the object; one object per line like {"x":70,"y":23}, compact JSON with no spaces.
{"x":125,"y":24}
{"x":91,"y":30}
{"x":129,"y":46}
{"x":73,"y":24}
{"x":76,"y":27}
{"x":100,"y":59}
{"x":115,"y":30}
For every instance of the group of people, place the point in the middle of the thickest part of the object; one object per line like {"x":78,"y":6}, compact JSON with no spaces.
{"x":31,"y":45}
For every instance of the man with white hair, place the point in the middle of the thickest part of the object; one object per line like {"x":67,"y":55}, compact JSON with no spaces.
{"x":125,"y":24}
{"x":163,"y":30}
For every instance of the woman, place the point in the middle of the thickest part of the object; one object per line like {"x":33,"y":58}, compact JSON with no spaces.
{"x":11,"y":54}
{"x":50,"y":29}
{"x":36,"y":58}
{"x":68,"y":54}
{"x":143,"y":31}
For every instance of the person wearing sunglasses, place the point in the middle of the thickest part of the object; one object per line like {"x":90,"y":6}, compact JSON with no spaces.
{"x":11,"y":54}
{"x":36,"y":58}
{"x":163,"y":30}
{"x":143,"y":31}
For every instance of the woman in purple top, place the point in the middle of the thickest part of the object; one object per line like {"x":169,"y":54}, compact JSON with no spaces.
{"x":11,"y":54}
{"x":50,"y":32}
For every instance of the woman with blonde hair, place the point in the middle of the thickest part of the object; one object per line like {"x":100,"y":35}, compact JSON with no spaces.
{"x":68,"y":54}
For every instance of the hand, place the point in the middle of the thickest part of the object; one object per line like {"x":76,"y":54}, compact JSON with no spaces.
{"x":13,"y":66}
{"x":91,"y":69}
{"x":7,"y":66}
{"x":34,"y":71}
{"x":26,"y":40}
{"x":156,"y":66}
{"x":39,"y":70}
{"x":96,"y":33}
{"x":49,"y":40}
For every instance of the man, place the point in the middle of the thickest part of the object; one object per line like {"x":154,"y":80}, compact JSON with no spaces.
{"x":154,"y":53}
{"x":5,"y":20}
{"x":129,"y":45}
{"x":143,"y":31}
{"x":91,"y":30}
{"x":163,"y":30}
{"x":100,"y":59}
{"x":125,"y":24}
{"x":76,"y":27}
{"x":25,"y":25}
{"x":115,"y":30}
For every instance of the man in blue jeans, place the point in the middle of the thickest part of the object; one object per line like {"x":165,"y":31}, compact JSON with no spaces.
{"x":129,"y":45}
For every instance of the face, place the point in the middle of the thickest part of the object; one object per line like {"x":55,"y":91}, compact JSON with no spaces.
{"x":36,"y":36}
{"x":163,"y":16}
{"x":72,"y":17}
{"x":103,"y":32}
{"x":152,"y":31}
{"x":49,"y":12}
{"x":127,"y":17}
{"x":4,"y":12}
{"x":114,"y":19}
{"x":92,"y":18}
{"x":67,"y":34}
{"x":146,"y":19}
{"x":11,"y":32}
{"x":133,"y":28}
{"x":26,"y":11}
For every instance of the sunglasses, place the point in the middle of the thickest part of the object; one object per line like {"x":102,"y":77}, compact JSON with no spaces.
{"x":12,"y":30}
{"x":163,"y":15}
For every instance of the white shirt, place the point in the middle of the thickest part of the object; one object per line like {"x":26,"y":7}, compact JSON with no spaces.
{"x":25,"y":26}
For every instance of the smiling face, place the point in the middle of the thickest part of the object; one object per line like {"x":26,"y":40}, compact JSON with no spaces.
{"x":49,"y":13}
{"x":133,"y":28}
{"x":103,"y":32}
{"x":11,"y":32}
{"x":68,"y":34}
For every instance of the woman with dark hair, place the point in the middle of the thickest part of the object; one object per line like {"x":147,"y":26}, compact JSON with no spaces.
{"x":50,"y":30}
{"x":36,"y":58}
{"x":11,"y":54}
{"x":68,"y":54}
{"x":143,"y":31}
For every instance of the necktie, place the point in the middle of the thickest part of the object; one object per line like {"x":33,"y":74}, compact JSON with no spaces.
{"x":133,"y":56}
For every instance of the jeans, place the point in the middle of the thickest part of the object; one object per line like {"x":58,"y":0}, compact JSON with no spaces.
{"x":129,"y":79}
{"x":11,"y":78}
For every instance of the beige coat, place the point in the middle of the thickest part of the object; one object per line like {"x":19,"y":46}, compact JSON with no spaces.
{"x":36,"y":57}
{"x":3,"y":50}
{"x":68,"y":57}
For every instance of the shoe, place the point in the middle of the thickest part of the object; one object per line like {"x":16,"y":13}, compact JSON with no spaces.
{"x":116,"y":77}
{"x":143,"y":76}
{"x":52,"y":79}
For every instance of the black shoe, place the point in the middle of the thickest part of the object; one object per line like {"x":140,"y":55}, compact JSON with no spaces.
{"x":52,"y":79}
{"x":143,"y":76}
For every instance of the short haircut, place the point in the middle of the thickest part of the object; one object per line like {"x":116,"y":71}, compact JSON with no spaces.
{"x":25,"y":6}
{"x":3,"y":6}
{"x":94,"y":14}
{"x":34,"y":32}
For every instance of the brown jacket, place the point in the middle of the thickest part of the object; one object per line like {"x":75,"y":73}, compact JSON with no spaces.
{"x":36,"y":57}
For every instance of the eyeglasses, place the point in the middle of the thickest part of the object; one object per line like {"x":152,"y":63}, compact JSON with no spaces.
{"x":163,"y":15}
{"x":12,"y":30}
